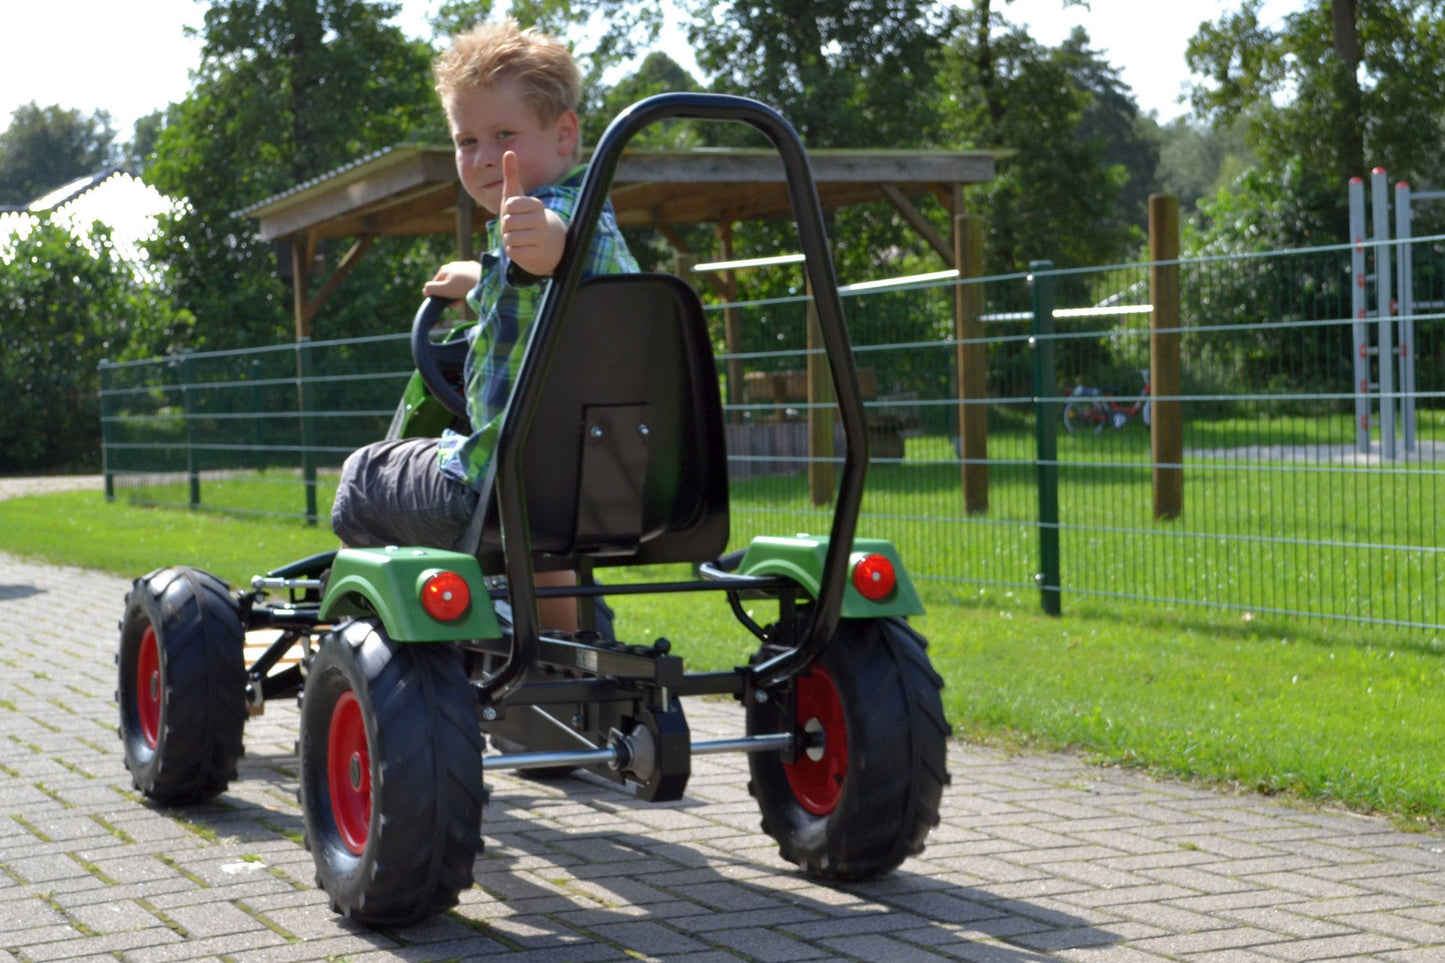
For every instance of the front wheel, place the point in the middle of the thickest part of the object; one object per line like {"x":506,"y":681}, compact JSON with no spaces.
{"x":864,"y":791}
{"x":182,"y":685}
{"x":1082,"y":414}
{"x":391,"y":775}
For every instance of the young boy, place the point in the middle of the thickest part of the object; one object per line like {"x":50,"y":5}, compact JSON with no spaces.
{"x":511,"y":98}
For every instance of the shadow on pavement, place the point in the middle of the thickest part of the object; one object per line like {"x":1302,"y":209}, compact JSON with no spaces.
{"x":567,"y":870}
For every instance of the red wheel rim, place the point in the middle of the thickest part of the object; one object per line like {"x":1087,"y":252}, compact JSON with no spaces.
{"x":817,"y":776}
{"x":148,"y":687}
{"x":348,"y":773}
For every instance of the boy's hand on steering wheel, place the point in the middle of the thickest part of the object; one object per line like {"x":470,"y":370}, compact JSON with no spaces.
{"x":453,"y":280}
{"x":532,"y":235}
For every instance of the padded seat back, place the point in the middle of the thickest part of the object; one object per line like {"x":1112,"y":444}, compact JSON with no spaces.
{"x":625,"y":459}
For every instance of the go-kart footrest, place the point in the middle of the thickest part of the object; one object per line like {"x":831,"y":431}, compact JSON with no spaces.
{"x":636,"y":663}
{"x":631,"y":663}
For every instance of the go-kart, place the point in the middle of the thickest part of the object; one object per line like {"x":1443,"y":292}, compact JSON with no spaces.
{"x":409,"y":661}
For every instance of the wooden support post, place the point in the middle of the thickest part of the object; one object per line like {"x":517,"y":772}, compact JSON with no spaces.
{"x":970,"y":363}
{"x":466,"y":231}
{"x":303,"y":257}
{"x":348,"y":262}
{"x":732,"y":333}
{"x":1166,"y":433}
{"x":820,"y":413}
{"x":466,"y":225}
{"x":300,"y":277}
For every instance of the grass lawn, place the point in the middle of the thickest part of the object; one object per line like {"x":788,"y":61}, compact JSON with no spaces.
{"x":1336,"y":713}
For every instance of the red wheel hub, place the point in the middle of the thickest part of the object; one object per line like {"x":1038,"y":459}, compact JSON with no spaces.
{"x":348,"y":773}
{"x":148,"y":687}
{"x":817,"y":776}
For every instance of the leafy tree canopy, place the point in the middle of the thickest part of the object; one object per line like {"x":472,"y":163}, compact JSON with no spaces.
{"x":48,"y":147}
{"x":286,"y":91}
{"x":1330,"y":92}
{"x":1082,"y":162}
{"x":66,"y":310}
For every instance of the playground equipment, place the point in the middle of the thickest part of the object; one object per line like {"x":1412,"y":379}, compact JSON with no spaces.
{"x":1394,"y":350}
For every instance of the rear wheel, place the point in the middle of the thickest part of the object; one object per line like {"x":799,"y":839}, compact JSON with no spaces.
{"x":864,"y":792}
{"x":391,"y":775}
{"x":182,"y":685}
{"x":1074,"y":414}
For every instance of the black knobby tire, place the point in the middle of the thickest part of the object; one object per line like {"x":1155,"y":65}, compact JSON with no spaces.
{"x":871,"y":795}
{"x":182,"y":685}
{"x":391,"y":775}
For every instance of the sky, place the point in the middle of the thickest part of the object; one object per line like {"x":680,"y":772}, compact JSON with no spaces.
{"x":128,"y":63}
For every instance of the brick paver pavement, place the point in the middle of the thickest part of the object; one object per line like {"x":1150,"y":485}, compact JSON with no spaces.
{"x":1038,"y":857}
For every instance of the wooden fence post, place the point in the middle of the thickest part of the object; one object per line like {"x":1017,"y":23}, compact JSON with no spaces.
{"x":732,"y":329}
{"x":820,"y":412}
{"x":970,"y":363}
{"x":1166,"y":433}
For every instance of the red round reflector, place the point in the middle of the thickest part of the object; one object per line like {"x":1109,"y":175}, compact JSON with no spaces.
{"x":445,"y":596}
{"x":873,"y":577}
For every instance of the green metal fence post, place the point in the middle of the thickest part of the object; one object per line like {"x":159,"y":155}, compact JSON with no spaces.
{"x":1041,"y":285}
{"x":257,"y":400}
{"x":303,"y":404}
{"x":107,"y":437}
{"x":193,"y":471}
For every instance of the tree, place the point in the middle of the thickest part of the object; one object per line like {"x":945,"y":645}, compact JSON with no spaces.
{"x":1337,"y":88}
{"x":287,"y":90}
{"x":604,"y":35}
{"x":846,"y":73}
{"x":48,"y":147}
{"x":658,"y":73}
{"x":1196,"y":160}
{"x":136,"y":154}
{"x":67,"y":308}
{"x":1057,"y":110}
{"x":1111,"y":119}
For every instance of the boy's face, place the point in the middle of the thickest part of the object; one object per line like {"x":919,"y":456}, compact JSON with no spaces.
{"x":487,"y":122}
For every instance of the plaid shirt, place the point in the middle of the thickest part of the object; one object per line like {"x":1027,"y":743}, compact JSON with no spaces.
{"x":506,"y":307}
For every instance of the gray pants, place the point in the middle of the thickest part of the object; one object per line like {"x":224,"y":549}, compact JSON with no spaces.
{"x":393,"y":493}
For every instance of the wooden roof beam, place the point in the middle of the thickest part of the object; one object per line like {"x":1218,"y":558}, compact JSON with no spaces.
{"x":918,"y":222}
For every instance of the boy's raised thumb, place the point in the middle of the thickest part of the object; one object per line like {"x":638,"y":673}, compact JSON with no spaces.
{"x":511,"y":176}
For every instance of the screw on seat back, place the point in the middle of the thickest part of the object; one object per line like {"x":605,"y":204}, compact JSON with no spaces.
{"x":625,"y":459}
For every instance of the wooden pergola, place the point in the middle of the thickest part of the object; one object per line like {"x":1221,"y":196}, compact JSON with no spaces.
{"x":413,"y":190}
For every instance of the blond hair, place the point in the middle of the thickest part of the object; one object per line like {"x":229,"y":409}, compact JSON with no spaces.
{"x":547,"y":77}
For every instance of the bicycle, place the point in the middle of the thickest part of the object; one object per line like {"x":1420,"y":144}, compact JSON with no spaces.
{"x":1101,"y":407}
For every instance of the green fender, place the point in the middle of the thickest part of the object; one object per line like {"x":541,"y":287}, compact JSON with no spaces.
{"x":800,"y":558}
{"x":387,"y":582}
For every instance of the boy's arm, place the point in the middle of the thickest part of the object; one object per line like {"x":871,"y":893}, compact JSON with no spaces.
{"x":532,"y":235}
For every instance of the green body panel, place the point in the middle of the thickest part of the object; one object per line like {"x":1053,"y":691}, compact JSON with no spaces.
{"x":420,"y":414}
{"x":387,"y":582}
{"x":800,"y":558}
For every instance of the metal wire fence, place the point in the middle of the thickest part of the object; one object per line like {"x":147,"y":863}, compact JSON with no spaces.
{"x":1037,"y":476}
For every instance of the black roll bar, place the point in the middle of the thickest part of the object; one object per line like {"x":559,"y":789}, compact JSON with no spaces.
{"x":526,"y":392}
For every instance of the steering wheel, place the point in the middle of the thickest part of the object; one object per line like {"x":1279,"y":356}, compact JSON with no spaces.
{"x":440,"y":363}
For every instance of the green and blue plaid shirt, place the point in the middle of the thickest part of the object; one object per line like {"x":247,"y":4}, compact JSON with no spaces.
{"x":506,"y":309}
